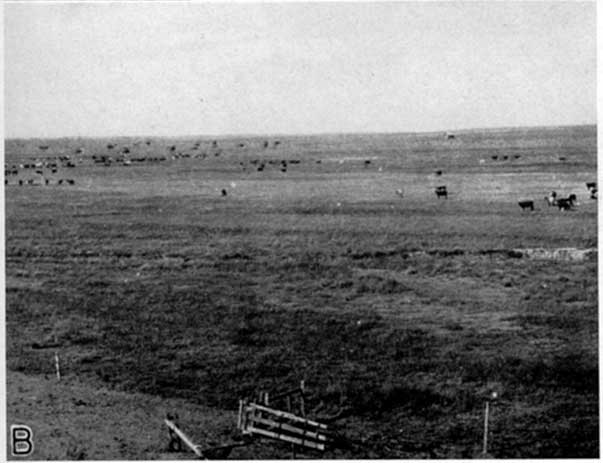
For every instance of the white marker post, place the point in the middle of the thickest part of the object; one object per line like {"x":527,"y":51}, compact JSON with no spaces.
{"x":486,"y":418}
{"x":56,"y":365}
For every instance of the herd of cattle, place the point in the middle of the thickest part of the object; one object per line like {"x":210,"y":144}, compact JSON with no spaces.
{"x":123,"y":157}
{"x":564,"y":204}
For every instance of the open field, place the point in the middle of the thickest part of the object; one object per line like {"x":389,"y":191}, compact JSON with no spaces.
{"x":399,"y":313}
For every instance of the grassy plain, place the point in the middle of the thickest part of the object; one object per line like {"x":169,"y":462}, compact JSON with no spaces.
{"x":399,"y":313}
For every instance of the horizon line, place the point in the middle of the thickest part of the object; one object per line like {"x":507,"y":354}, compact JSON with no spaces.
{"x":302,"y":134}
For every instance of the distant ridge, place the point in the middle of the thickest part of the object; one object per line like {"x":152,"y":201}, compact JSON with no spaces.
{"x":307,"y":135}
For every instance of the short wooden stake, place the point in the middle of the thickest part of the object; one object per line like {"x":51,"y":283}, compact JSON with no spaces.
{"x":56,"y":365}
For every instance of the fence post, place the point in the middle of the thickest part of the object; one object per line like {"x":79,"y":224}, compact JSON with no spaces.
{"x":56,"y":365}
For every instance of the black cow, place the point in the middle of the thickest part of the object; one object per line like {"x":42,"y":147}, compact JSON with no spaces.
{"x":526,"y":204}
{"x":367,"y":162}
{"x":224,"y":192}
{"x":591,"y":185}
{"x":441,"y":191}
{"x":564,"y":204}
{"x":438,"y":172}
{"x":70,"y":181}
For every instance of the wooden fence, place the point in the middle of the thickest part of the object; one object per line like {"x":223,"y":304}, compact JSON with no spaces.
{"x":276,"y":424}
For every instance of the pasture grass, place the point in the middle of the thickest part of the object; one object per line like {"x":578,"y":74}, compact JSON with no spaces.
{"x":399,"y":314}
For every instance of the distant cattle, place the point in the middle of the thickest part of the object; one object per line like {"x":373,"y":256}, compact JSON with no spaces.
{"x":441,"y":191}
{"x":60,"y":182}
{"x":39,"y":172}
{"x":110,"y":146}
{"x":505,"y":157}
{"x":54,"y":171}
{"x":224,"y":192}
{"x":367,"y":162}
{"x":566,"y":204}
{"x":400,"y":193}
{"x":20,"y":182}
{"x":265,"y":144}
{"x":561,"y":158}
{"x":46,"y":181}
{"x":438,"y":172}
{"x":172,"y":148}
{"x":526,"y":204}
{"x":450,"y":136}
{"x":494,"y":157}
{"x":276,"y":143}
{"x":214,"y":143}
{"x":126,"y":150}
{"x":43,"y":147}
{"x":551,"y":199}
{"x":241,"y":145}
{"x":79,"y":151}
{"x":593,"y":193}
{"x":70,"y":181}
{"x":591,"y":185}
{"x":517,"y":156}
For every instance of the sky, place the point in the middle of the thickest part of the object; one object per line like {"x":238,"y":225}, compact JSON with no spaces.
{"x":169,"y":69}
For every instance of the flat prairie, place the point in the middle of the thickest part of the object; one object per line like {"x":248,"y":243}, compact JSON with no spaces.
{"x":181,"y":275}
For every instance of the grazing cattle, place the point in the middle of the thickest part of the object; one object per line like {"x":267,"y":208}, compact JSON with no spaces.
{"x":70,"y":181}
{"x":214,"y":143}
{"x":126,"y":150}
{"x":54,"y":171}
{"x":30,"y":181}
{"x":46,"y":181}
{"x":561,"y":158}
{"x":276,"y":143}
{"x":60,"y":182}
{"x":438,"y":172}
{"x":505,"y":157}
{"x":517,"y":156}
{"x":6,"y":181}
{"x":593,"y":193}
{"x":265,"y":144}
{"x":400,"y":193}
{"x":494,"y":158}
{"x":20,"y":182}
{"x":526,"y":204}
{"x":367,"y":162}
{"x":564,"y":204}
{"x":110,"y":146}
{"x":79,"y":151}
{"x":283,"y":169}
{"x":172,"y":148}
{"x":318,"y":161}
{"x":39,"y":172}
{"x":591,"y":185}
{"x":224,"y":193}
{"x":43,"y":147}
{"x":441,"y":191}
{"x":551,"y":199}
